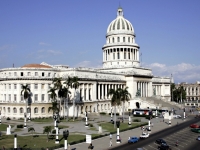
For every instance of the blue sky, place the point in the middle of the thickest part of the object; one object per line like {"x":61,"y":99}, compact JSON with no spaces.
{"x":73,"y":33}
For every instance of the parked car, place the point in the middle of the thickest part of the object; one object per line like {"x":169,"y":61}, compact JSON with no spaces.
{"x":164,"y":146}
{"x":160,"y":141}
{"x":144,"y":135}
{"x":133,"y":139}
{"x":177,"y":116}
{"x":198,"y":138}
{"x":197,"y":130}
{"x":194,"y":126}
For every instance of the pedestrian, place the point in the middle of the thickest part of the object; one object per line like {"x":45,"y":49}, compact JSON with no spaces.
{"x":110,"y":136}
{"x":110,"y":143}
{"x":90,"y":146}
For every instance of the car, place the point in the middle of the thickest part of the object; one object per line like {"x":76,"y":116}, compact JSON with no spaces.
{"x":160,"y":141}
{"x":144,"y":135}
{"x":194,"y":126}
{"x":197,"y":130}
{"x":133,"y":139}
{"x":198,"y":138}
{"x":177,"y":116}
{"x":164,"y":146}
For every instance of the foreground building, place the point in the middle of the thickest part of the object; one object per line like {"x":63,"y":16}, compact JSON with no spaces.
{"x":121,"y":68}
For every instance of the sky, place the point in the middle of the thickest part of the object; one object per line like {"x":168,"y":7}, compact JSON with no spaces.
{"x":73,"y":33}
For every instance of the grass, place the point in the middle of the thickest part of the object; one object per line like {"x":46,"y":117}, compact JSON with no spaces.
{"x":37,"y":142}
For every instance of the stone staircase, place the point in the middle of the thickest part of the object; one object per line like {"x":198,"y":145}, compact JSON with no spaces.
{"x":161,"y":103}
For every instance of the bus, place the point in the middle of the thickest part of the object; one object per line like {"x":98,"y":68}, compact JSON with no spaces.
{"x":148,"y":111}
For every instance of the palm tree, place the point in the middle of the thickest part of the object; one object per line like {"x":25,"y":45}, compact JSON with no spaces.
{"x":63,"y":94}
{"x":47,"y":130}
{"x":125,"y":96}
{"x":115,"y":100}
{"x":32,"y":130}
{"x":54,"y":103}
{"x":75,"y":85}
{"x":68,"y":83}
{"x":26,"y":93}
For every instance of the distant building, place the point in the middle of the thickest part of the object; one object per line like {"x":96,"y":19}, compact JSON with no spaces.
{"x":121,"y":68}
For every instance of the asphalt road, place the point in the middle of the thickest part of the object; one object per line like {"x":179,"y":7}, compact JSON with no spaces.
{"x":186,"y":138}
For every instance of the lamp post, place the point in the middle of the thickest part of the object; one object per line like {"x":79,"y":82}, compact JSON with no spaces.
{"x":129,"y":118}
{"x":150,"y":113}
{"x":86,"y":119}
{"x":111,"y":116}
{"x":156,"y":112}
{"x":56,"y":127}
{"x":169,"y":118}
{"x":118,"y":138}
{"x":184,"y":113}
{"x":65,"y":135}
{"x":15,"y":142}
{"x":25,"y":115}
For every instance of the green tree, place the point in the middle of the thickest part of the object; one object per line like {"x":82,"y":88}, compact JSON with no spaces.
{"x":115,"y":101}
{"x":75,"y":85}
{"x":124,"y":96}
{"x":47,"y":130}
{"x":54,"y":106}
{"x":26,"y":93}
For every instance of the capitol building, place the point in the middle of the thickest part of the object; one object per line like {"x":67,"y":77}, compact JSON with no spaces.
{"x":121,"y":68}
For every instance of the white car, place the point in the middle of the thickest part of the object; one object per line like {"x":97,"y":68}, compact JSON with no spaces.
{"x":144,"y":135}
{"x":177,"y":116}
{"x":198,"y":138}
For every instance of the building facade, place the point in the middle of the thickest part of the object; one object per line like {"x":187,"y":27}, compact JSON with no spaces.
{"x":121,"y":68}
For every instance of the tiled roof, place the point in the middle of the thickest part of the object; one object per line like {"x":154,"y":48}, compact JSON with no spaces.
{"x":35,"y":66}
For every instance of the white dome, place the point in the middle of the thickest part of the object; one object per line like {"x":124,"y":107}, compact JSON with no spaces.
{"x":120,"y":24}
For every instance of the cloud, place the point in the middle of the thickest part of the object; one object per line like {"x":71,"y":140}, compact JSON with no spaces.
{"x":44,"y":44}
{"x":182,"y":72}
{"x":88,"y":64}
{"x":6,"y":47}
{"x":42,"y":53}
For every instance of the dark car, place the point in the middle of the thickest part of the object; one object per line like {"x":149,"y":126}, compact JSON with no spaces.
{"x":160,"y":141}
{"x":164,"y":146}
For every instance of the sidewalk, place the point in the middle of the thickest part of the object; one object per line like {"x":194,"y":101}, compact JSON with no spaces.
{"x":104,"y":142}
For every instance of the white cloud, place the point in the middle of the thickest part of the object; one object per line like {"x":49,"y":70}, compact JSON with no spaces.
{"x":182,"y":72}
{"x":44,"y":44}
{"x":6,"y":47}
{"x":88,"y":64}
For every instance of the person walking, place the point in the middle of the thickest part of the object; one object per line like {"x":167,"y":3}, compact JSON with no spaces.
{"x":110,"y":143}
{"x":110,"y":136}
{"x":90,"y":146}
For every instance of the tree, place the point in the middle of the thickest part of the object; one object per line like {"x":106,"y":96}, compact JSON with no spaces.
{"x":32,"y":130}
{"x":54,"y":103}
{"x":26,"y":93}
{"x":47,"y":130}
{"x":75,"y":85}
{"x":125,"y":96}
{"x":115,"y":100}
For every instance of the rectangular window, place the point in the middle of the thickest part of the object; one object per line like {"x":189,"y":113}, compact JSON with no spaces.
{"x":15,"y":73}
{"x":129,"y":56}
{"x":36,"y":97}
{"x":113,"y":56}
{"x":5,"y":97}
{"x":42,"y":98}
{"x":22,"y":74}
{"x":9,"y":86}
{"x":28,"y":74}
{"x":36,"y":73}
{"x":9,"y":73}
{"x":118,"y":57}
{"x":15,"y":86}
{"x":49,"y":74}
{"x":15,"y":97}
{"x":124,"y":55}
{"x":49,"y":97}
{"x":43,"y":74}
{"x":42,"y":87}
{"x":9,"y":97}
{"x":36,"y":86}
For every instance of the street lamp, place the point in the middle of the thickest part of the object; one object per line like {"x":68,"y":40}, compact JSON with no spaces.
{"x":111,"y":115}
{"x":129,"y":118}
{"x":118,"y":138}
{"x":156,"y":112}
{"x":184,"y":113}
{"x":150,"y":114}
{"x":25,"y":115}
{"x":169,"y":118}
{"x":15,"y":142}
{"x":65,"y":135}
{"x":56,"y":127}
{"x":86,"y":119}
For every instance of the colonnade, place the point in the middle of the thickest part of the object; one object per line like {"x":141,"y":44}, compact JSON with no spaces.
{"x":121,"y":53}
{"x":143,"y":86}
{"x":157,"y":89}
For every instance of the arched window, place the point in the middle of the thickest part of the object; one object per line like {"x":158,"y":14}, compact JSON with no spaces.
{"x":35,"y":110}
{"x":14,"y":110}
{"x":123,"y":39}
{"x":21,"y":110}
{"x":8,"y":109}
{"x":118,"y":39}
{"x":28,"y":110}
{"x":43,"y":110}
{"x":4,"y":109}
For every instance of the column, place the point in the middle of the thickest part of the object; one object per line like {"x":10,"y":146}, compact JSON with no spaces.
{"x":102,"y":91}
{"x":137,"y":55}
{"x":87,"y":92}
{"x":83,"y":92}
{"x":98,"y":91}
{"x":109,"y":87}
{"x":106,"y":94}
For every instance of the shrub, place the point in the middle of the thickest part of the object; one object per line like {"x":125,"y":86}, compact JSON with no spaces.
{"x":20,"y":126}
{"x":136,"y":120}
{"x":8,"y":118}
{"x":102,"y":113}
{"x":90,"y":125}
